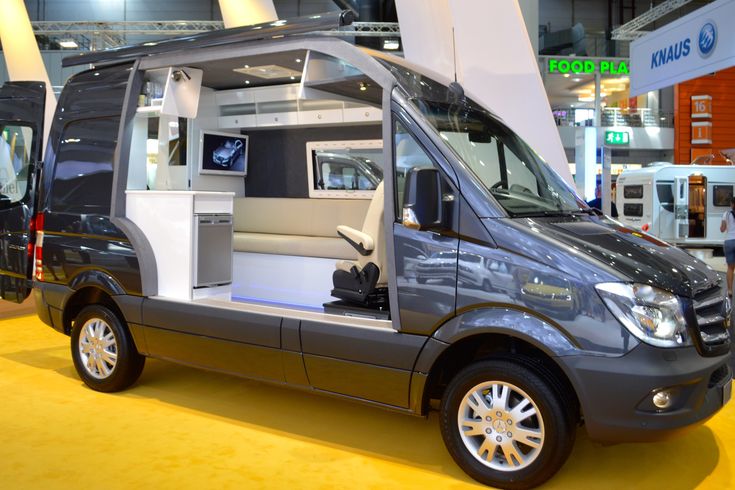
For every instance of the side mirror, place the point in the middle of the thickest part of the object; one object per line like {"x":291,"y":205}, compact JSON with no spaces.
{"x":422,"y":202}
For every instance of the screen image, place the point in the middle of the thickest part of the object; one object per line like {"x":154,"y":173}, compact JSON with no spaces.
{"x":223,"y":153}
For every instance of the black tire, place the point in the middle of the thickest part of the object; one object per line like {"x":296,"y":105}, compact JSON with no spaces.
{"x":557,"y":417}
{"x":104,"y":376}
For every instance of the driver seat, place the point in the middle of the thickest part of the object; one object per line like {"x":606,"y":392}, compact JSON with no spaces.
{"x":363,"y":281}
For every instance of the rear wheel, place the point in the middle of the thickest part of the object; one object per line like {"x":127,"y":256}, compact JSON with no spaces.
{"x":103,"y":351}
{"x":506,"y":425}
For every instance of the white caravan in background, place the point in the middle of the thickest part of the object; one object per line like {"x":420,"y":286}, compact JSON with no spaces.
{"x":682,"y":204}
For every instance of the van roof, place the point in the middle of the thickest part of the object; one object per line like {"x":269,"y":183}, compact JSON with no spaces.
{"x":257,"y":32}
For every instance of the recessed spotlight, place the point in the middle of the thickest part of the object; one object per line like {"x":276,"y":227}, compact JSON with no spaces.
{"x":298,"y":60}
{"x":576,"y":79}
{"x":247,"y":82}
{"x":293,"y":78}
{"x":363,"y":87}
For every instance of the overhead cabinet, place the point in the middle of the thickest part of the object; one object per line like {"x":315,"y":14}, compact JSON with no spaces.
{"x":280,"y":106}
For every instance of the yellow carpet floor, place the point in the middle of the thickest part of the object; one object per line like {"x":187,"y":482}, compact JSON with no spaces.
{"x":183,"y":428}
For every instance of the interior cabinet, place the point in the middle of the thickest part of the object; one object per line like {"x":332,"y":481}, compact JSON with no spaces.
{"x":280,"y":106}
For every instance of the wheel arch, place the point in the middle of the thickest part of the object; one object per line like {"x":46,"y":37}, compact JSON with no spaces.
{"x":87,"y":295}
{"x":494,"y":333}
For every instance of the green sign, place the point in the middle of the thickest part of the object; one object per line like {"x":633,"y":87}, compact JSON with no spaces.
{"x":588,"y":66}
{"x":617,"y":138}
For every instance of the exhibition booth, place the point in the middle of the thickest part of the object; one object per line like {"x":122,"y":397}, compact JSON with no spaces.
{"x":274,"y":203}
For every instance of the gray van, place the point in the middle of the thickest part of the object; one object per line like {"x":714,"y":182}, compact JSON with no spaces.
{"x":258,"y":275}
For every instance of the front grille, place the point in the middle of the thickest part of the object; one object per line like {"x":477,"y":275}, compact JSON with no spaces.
{"x":712,"y":315}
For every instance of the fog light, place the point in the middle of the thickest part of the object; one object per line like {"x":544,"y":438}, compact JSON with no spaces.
{"x":662,"y":399}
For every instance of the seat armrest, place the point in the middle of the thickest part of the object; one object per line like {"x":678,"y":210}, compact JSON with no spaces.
{"x":362,"y":242}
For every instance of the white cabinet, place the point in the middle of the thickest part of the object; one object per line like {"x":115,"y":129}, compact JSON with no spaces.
{"x":168,"y":219}
{"x":241,"y":121}
{"x":362,"y":114}
{"x":280,"y":106}
{"x":276,"y":119}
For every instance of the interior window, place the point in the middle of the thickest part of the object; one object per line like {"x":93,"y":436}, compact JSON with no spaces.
{"x":15,"y":160}
{"x":83,"y":178}
{"x":345,"y":169}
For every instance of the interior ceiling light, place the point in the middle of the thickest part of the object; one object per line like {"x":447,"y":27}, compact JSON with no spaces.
{"x":268,"y":72}
{"x":391,"y":44}
{"x":576,"y":79}
{"x":363,"y":86}
{"x":566,"y":75}
{"x":68,"y":44}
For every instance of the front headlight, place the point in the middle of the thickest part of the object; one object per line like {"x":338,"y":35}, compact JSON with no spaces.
{"x":651,"y":314}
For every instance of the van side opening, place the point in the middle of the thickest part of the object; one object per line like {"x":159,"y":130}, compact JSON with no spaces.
{"x":296,"y":138}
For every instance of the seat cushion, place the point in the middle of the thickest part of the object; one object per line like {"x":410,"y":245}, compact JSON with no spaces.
{"x":330,"y":248}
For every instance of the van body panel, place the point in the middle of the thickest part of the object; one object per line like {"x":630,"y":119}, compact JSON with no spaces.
{"x":370,"y":363}
{"x":378,"y":346}
{"x":380,"y":384}
{"x":426,"y":268}
{"x":509,"y":321}
{"x":21,"y":106}
{"x":221,"y":355}
{"x":76,"y":242}
{"x":97,"y":278}
{"x":294,"y":371}
{"x":207,"y":321}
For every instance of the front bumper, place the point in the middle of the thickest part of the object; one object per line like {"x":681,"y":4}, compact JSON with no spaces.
{"x":615,"y":392}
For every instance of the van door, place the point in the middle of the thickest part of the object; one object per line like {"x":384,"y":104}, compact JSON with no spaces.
{"x":681,"y":207}
{"x":426,"y":261}
{"x":21,"y":134}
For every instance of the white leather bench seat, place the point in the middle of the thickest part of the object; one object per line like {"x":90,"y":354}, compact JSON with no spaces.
{"x":305,"y":227}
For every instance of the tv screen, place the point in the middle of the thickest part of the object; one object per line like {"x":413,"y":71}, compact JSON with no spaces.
{"x":223,"y":153}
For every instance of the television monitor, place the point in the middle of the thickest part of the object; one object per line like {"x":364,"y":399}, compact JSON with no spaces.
{"x":223,"y":153}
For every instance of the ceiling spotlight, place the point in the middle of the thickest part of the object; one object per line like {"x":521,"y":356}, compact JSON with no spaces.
{"x":68,"y":44}
{"x":576,"y":80}
{"x":566,"y":75}
{"x":363,"y":86}
{"x":298,"y":60}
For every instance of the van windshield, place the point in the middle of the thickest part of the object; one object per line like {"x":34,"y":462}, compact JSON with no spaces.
{"x":519,"y":179}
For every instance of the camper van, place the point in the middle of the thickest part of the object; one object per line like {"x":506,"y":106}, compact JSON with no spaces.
{"x":682,"y":204}
{"x":298,"y":210}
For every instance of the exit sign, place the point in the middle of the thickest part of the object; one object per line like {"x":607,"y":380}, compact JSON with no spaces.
{"x":617,"y":138}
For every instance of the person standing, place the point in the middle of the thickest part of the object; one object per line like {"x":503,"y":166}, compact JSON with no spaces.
{"x":728,"y":226}
{"x":597,"y":202}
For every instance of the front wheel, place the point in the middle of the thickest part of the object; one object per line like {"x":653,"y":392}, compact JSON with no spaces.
{"x":506,"y":425}
{"x":103,"y":351}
